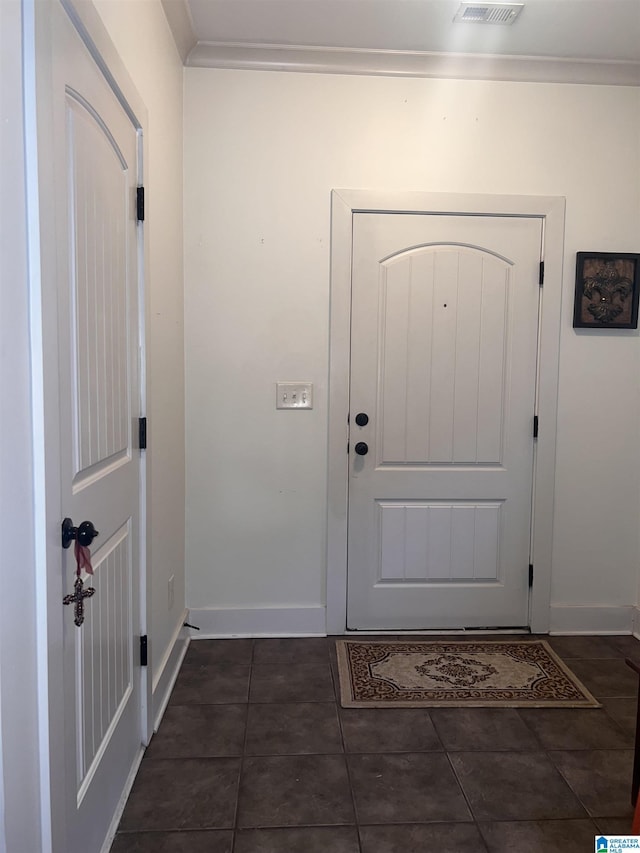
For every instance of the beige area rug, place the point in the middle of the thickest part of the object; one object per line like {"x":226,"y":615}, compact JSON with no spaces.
{"x":463,"y":673}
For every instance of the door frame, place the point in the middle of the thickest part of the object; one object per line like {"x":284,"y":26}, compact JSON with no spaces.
{"x":38,"y":100}
{"x":344,"y":204}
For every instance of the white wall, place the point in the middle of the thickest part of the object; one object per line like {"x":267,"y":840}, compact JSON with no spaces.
{"x":262,"y":152}
{"x":19,"y":766}
{"x":142,"y":37}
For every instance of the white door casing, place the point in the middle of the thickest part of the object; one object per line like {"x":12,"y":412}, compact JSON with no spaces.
{"x":90,"y":285}
{"x":346,"y":204}
{"x":444,"y":329}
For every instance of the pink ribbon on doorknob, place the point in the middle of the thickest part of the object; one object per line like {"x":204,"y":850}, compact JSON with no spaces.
{"x":83,"y":558}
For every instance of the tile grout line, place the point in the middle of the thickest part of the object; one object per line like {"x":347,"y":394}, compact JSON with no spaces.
{"x":476,"y":822}
{"x":575,"y":793}
{"x":336,"y":693}
{"x":243,"y":753}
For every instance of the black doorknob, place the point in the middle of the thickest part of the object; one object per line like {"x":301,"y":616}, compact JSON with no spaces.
{"x":361,"y":448}
{"x":85,"y":533}
{"x":362,"y":419}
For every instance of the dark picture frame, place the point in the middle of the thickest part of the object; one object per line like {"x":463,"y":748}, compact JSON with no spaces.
{"x":607,"y":289}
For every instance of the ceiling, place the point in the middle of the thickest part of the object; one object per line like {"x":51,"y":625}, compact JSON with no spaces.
{"x":567,"y":40}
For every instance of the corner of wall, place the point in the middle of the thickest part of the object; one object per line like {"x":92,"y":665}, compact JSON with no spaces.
{"x":167,"y":671}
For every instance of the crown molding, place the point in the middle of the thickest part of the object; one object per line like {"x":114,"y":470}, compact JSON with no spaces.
{"x":392,"y":63}
{"x":179,"y":19}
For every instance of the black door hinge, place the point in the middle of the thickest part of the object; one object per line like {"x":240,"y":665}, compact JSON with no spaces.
{"x":535,"y":426}
{"x":541,"y":278}
{"x":530,"y":575}
{"x":140,"y":204}
{"x":143,"y":650}
{"x":142,"y":433}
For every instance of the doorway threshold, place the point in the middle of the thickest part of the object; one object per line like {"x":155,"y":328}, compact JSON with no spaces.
{"x":437,"y":631}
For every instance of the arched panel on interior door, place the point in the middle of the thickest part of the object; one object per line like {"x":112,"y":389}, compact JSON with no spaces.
{"x":443,"y":326}
{"x":99,"y":181}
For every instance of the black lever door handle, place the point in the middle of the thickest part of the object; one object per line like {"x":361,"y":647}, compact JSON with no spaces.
{"x":361,"y":448}
{"x":85,"y":533}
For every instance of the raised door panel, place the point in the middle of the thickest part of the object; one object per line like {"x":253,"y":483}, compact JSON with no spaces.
{"x":99,"y":216}
{"x":443,"y":343}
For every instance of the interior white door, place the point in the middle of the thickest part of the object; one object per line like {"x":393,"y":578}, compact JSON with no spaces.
{"x":95,"y":152}
{"x":443,"y":364}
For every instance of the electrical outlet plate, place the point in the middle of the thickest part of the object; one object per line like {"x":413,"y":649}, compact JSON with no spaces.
{"x":294,"y":395}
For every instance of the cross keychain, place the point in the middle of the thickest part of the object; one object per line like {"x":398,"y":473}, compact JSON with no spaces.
{"x":83,"y":561}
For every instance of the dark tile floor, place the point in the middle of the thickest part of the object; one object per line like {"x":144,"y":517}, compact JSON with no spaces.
{"x":255,"y":755}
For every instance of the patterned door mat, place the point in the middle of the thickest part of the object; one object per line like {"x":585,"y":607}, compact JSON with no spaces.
{"x":425,"y":674}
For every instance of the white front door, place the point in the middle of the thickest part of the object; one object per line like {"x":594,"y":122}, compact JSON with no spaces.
{"x":443,"y":383}
{"x":95,"y":152}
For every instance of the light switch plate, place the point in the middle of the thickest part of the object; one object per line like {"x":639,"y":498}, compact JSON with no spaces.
{"x":294,"y":395}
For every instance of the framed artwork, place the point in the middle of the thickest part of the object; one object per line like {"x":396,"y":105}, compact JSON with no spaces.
{"x":607,"y":287}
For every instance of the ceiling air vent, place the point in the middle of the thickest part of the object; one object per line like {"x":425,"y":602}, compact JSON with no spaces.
{"x":488,"y":13}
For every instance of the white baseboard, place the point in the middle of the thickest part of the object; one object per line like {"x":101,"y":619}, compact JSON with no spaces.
{"x":575,"y":619}
{"x":635,"y":623}
{"x":225,"y":622}
{"x":168,"y":670}
{"x":258,"y":622}
{"x":161,"y":690}
{"x":115,"y":822}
